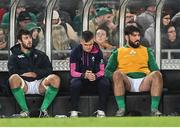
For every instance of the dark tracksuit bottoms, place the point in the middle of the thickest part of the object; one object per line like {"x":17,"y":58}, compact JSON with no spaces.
{"x":103,"y":86}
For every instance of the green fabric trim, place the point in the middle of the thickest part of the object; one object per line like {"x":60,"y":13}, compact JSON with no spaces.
{"x":111,"y":65}
{"x":136,"y":75}
{"x":120,"y":100}
{"x":20,"y":98}
{"x":152,"y":61}
{"x":126,"y":46}
{"x":155,"y":102}
{"x":27,"y":54}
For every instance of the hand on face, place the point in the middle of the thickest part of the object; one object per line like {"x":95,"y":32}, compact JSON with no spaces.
{"x":90,"y":76}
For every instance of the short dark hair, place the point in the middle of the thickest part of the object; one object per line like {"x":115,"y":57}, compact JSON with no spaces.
{"x":130,"y":29}
{"x":23,"y":32}
{"x":87,"y":35}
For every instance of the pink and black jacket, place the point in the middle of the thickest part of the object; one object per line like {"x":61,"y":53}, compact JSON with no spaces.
{"x":81,"y":61}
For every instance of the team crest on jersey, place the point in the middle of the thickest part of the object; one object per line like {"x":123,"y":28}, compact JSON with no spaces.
{"x":102,"y":61}
{"x":21,"y":56}
{"x":93,"y":59}
{"x":132,"y":52}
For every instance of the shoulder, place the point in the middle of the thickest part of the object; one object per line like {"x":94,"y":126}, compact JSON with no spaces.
{"x":6,"y":15}
{"x":150,"y":52}
{"x":76,"y":49}
{"x":145,"y":49}
{"x":142,"y":15}
{"x":96,"y":49}
{"x":120,"y":49}
{"x":149,"y":49}
{"x":40,"y":53}
{"x":115,"y":52}
{"x":5,"y":19}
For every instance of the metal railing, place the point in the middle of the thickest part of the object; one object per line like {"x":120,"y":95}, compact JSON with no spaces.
{"x":170,"y":51}
{"x":168,"y":63}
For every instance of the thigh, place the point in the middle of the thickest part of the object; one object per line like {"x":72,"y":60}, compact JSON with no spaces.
{"x":42,"y":86}
{"x":76,"y":81}
{"x":127,"y":82}
{"x":120,"y":78}
{"x":24,"y":85}
{"x":51,"y":80}
{"x":145,"y":84}
{"x":103,"y":81}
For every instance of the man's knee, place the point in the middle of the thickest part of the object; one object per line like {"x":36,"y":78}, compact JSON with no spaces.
{"x":54,"y":80}
{"x":157,"y":78}
{"x":104,"y":82}
{"x":14,"y":77}
{"x":117,"y":75}
{"x":157,"y":74}
{"x":75,"y":83}
{"x":14,"y":80}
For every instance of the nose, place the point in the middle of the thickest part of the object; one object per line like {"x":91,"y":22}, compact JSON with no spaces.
{"x":138,"y":36}
{"x":89,"y":46}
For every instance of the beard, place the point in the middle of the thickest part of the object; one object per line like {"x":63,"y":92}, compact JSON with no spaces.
{"x":134,"y":44}
{"x":27,"y":46}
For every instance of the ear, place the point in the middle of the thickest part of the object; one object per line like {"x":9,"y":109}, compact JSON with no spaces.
{"x":107,"y":38}
{"x":20,"y":41}
{"x":126,"y":38}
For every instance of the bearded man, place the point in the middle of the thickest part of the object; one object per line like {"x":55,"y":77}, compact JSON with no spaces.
{"x":30,"y":73}
{"x":133,"y":68}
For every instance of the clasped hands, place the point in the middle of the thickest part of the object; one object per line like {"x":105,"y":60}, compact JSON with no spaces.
{"x":90,"y":75}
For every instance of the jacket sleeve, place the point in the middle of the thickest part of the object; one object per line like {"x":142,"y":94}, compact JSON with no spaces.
{"x":152,"y":61}
{"x":100,"y":73}
{"x":13,"y":66}
{"x":73,"y":65}
{"x":111,"y":65}
{"x":45,"y":67}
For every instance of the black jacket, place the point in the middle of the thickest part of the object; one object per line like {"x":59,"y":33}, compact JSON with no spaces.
{"x":36,"y":61}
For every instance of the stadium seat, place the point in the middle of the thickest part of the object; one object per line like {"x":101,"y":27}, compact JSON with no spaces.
{"x":111,"y":105}
{"x":171,"y":103}
{"x":138,"y":104}
{"x":62,"y":106}
{"x":7,"y":106}
{"x":171,"y":79}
